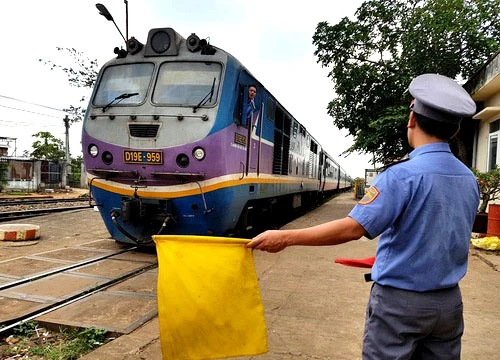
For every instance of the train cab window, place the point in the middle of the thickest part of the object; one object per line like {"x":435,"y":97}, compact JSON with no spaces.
{"x":124,"y":79}
{"x":187,"y":84}
{"x":295,"y":129}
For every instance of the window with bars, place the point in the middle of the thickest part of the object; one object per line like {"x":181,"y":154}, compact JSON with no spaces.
{"x":282,"y":129}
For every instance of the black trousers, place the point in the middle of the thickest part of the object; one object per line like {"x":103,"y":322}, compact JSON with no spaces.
{"x":402,"y":324}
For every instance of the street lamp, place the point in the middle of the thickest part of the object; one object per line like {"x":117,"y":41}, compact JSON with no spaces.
{"x":104,"y":12}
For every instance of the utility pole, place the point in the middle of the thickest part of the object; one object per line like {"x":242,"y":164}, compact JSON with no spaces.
{"x":66,"y":165}
{"x":66,"y":125}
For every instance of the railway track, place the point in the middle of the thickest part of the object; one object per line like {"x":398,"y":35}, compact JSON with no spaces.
{"x":21,"y":209}
{"x":15,"y":202}
{"x":14,"y":288}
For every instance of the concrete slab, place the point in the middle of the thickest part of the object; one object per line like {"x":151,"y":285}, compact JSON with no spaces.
{"x":129,"y":311}
{"x":105,"y":244}
{"x":144,"y":283}
{"x":110,"y":268}
{"x":5,"y":280}
{"x":24,"y":267}
{"x":137,"y":256}
{"x":71,"y":254}
{"x":52,"y":288}
{"x":11,"y":308}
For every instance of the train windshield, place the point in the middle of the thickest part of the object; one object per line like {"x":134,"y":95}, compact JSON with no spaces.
{"x":121,"y":79}
{"x":187,"y":83}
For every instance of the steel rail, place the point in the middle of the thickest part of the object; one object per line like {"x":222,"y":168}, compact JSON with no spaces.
{"x":10,"y":324}
{"x":62,"y":269}
{"x":40,"y":201}
{"x":22,"y":214}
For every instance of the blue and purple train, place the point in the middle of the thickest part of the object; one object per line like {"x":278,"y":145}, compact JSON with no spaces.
{"x":168,"y":148}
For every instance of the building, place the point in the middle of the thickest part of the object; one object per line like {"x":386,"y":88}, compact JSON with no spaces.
{"x":370,"y":175}
{"x":484,"y":87}
{"x":6,"y":146}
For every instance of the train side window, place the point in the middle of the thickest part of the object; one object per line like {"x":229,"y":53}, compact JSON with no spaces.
{"x":302,"y":130}
{"x":287,"y":125}
{"x":271,"y":109}
{"x":295,"y":129}
{"x":243,"y":108}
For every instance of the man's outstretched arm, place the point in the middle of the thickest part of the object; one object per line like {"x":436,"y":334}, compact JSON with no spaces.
{"x":331,"y":233}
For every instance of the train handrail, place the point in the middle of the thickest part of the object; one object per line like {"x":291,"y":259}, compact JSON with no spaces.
{"x":207,"y":210}
{"x":194,"y":176}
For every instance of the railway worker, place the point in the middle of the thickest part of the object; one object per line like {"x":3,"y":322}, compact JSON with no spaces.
{"x":250,"y":106}
{"x":423,"y":209}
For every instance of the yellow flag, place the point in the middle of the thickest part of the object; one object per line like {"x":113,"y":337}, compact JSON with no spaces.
{"x":209,"y":303}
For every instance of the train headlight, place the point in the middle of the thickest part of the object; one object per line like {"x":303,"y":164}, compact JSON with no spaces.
{"x":93,"y":150}
{"x":162,"y":41}
{"x":199,"y":153}
{"x":182,"y":160}
{"x":107,"y":158}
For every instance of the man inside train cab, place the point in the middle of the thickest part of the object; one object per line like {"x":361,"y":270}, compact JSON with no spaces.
{"x":250,"y":106}
{"x":423,"y":210}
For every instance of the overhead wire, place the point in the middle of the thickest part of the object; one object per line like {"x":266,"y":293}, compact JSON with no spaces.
{"x":32,"y":112}
{"x":32,"y":103}
{"x":10,"y":123}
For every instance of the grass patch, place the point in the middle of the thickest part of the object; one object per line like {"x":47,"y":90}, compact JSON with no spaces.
{"x":31,"y":341}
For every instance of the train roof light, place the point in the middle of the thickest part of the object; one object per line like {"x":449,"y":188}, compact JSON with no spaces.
{"x":162,"y":42}
{"x":134,"y":45}
{"x":193,"y":43}
{"x":121,"y":53}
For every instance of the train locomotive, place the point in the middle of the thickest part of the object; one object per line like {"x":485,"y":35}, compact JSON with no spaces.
{"x":170,"y":146}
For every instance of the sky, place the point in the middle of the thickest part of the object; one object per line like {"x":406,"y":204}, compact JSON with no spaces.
{"x":272,"y":40}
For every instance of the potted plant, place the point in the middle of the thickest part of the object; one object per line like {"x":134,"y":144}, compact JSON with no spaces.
{"x":489,"y":190}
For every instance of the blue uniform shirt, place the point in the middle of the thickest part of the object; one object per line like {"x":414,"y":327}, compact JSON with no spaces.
{"x":248,"y":112}
{"x":423,"y":209}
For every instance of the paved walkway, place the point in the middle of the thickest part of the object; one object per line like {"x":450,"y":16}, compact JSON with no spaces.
{"x":315,"y":309}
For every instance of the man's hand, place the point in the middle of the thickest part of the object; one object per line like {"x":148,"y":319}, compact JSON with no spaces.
{"x":271,"y":241}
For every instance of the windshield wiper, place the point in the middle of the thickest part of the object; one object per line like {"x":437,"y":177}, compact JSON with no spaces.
{"x":119,"y":97}
{"x":206,"y":98}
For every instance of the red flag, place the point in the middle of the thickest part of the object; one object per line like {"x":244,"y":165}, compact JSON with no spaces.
{"x":362,"y":263}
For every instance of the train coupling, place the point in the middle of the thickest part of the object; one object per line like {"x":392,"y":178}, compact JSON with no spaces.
{"x":134,"y":209}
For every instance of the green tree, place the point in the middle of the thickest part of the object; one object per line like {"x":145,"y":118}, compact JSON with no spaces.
{"x":81,"y":72}
{"x":48,"y":147}
{"x":373,"y":58}
{"x":489,"y":186}
{"x":76,"y":170}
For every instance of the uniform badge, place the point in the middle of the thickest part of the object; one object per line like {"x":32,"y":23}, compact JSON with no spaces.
{"x":370,"y":195}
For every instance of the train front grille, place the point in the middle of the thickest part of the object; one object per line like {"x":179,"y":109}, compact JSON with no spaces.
{"x":144,"y":130}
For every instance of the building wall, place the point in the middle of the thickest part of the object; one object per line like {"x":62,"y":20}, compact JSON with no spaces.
{"x":483,"y":135}
{"x":484,"y":87}
{"x":26,"y":174}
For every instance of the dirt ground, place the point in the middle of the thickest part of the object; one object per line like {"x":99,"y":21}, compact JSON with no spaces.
{"x":57,"y":194}
{"x":314,"y":308}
